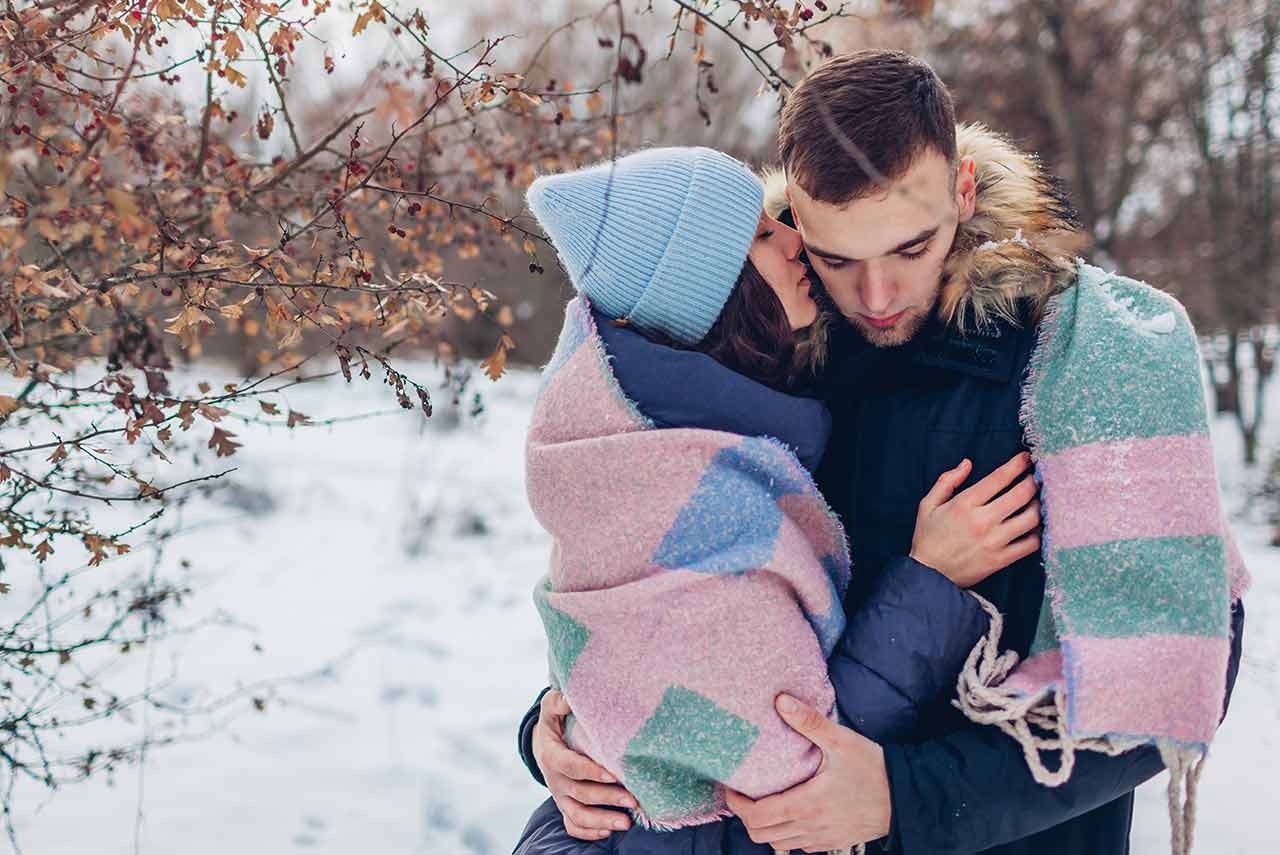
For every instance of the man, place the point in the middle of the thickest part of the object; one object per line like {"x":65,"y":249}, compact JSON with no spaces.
{"x":929,"y":369}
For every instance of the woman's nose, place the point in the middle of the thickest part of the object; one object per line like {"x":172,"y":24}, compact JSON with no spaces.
{"x":792,"y":244}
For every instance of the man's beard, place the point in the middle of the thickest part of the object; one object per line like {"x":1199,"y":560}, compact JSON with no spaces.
{"x":899,"y":334}
{"x":912,"y":321}
{"x":907,"y":328}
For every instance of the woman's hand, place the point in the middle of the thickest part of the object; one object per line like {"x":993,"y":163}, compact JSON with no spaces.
{"x":969,"y":536}
{"x":576,"y":782}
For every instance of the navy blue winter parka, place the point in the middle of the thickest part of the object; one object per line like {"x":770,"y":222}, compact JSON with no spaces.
{"x":901,"y":417}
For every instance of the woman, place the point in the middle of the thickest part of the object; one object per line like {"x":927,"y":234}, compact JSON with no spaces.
{"x":696,"y":571}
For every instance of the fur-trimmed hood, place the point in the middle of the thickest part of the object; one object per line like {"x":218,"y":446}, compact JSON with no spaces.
{"x":1018,"y":248}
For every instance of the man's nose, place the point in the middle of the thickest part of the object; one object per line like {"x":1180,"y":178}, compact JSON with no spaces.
{"x":876,"y":290}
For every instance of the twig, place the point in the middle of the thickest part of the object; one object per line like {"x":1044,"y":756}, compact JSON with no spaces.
{"x":284,"y":106}
{"x":205,"y":122}
{"x":507,"y":222}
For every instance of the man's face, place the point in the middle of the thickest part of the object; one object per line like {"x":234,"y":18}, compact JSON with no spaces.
{"x":881,"y":257}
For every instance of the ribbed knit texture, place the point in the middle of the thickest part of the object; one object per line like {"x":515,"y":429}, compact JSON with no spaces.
{"x":658,"y":237}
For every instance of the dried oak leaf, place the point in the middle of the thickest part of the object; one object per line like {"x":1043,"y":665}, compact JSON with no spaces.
{"x":222,"y":442}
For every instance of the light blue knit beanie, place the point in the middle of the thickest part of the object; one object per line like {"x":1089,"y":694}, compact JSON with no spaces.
{"x":657,"y":237}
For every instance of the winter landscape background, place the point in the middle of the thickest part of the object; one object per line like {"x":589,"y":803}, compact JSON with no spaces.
{"x":369,"y":581}
{"x":358,"y":641}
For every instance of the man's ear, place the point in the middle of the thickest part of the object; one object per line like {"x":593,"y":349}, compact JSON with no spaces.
{"x":966,"y":188}
{"x":791,"y":206}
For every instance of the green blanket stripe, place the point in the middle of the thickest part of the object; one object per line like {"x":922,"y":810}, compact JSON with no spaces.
{"x":566,"y":637}
{"x":1046,"y":637}
{"x":1114,"y":590}
{"x":1066,"y":390}
{"x":685,"y":726}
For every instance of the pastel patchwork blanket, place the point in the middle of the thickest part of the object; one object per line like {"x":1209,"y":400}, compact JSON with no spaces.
{"x":694,"y":575}
{"x":1134,"y":637}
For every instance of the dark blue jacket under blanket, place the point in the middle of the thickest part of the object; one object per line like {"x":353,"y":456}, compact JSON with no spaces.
{"x":903,"y":646}
{"x":901,"y":417}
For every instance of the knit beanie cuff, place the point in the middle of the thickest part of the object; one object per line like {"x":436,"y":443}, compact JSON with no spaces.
{"x":700,"y":268}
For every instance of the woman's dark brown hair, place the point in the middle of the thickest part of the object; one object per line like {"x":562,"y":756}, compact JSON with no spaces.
{"x":752,"y":335}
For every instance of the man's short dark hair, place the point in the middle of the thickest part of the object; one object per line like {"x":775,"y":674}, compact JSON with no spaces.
{"x":888,"y":105}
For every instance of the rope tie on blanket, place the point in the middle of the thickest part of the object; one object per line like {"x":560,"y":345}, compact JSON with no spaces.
{"x":983,"y":700}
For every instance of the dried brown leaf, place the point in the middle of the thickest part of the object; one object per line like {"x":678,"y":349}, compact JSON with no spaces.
{"x":222,"y":442}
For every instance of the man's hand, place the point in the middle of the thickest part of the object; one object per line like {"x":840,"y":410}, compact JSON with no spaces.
{"x":846,"y":801}
{"x":575,"y":781}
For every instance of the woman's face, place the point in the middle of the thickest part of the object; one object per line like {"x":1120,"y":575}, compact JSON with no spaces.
{"x":775,"y":252}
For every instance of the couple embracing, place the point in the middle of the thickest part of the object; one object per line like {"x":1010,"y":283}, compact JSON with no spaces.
{"x":879,"y":519}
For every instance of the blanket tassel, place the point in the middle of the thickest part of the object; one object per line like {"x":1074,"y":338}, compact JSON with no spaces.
{"x":982,"y":700}
{"x":1184,"y":768}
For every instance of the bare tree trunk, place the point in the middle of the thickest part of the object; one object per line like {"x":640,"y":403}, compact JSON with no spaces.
{"x":1248,"y":419}
{"x":1263,"y":367}
{"x":1232,"y":389}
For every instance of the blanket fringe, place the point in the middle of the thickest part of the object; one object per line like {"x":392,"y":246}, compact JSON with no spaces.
{"x":1185,"y":766}
{"x":1038,"y":723}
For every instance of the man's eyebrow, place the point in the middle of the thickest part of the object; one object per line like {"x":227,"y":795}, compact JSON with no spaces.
{"x":906,"y":244}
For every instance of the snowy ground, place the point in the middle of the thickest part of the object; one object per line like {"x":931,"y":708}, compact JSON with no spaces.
{"x":387,"y":566}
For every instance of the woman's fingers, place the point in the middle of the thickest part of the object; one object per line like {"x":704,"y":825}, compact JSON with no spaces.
{"x":595,"y":820}
{"x":1008,"y":504}
{"x":1020,"y":549}
{"x":1026,"y":520}
{"x":946,"y":485}
{"x":991,"y":486}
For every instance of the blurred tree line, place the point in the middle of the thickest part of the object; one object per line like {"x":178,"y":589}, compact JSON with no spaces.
{"x":1162,"y":115}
